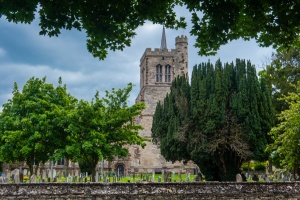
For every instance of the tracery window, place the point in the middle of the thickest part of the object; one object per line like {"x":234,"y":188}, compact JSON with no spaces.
{"x":158,"y":73}
{"x":168,"y":73}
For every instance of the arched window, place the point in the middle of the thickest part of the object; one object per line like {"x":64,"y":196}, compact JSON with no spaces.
{"x":61,"y":161}
{"x":168,"y":73}
{"x":158,"y":73}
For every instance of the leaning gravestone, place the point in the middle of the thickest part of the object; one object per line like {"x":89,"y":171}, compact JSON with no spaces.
{"x":239,"y":178}
{"x":33,"y":178}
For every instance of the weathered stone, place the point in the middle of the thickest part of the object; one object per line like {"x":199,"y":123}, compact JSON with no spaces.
{"x":153,"y":191}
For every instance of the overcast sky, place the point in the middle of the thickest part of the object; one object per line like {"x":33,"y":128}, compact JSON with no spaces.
{"x":24,"y":54}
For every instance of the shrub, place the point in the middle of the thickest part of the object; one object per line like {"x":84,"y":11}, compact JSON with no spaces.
{"x":260,"y":167}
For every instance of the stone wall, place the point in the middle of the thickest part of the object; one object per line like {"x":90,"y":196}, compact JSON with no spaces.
{"x":151,"y":191}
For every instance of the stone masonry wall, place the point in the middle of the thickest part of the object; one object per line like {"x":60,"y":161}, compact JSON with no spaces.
{"x":151,"y":191}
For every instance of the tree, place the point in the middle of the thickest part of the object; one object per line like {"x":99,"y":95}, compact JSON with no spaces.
{"x":102,"y":129}
{"x":112,"y":24}
{"x":223,"y":123}
{"x":32,"y":123}
{"x":281,"y":74}
{"x":286,"y":134}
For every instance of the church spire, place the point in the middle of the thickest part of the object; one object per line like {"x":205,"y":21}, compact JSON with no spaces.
{"x":163,"y":40}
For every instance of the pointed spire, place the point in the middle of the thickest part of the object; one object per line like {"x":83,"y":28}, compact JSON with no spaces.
{"x":163,"y":40}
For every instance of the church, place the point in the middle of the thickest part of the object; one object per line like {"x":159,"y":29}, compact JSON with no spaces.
{"x":158,"y":68}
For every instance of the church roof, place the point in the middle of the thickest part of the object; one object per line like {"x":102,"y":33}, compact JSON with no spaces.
{"x":163,"y":40}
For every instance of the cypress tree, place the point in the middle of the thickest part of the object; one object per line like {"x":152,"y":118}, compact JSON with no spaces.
{"x":218,"y":122}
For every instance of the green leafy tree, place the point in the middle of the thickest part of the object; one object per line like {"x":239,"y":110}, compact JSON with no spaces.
{"x":102,"y":129}
{"x":112,"y":24}
{"x":281,"y":75}
{"x":286,"y":134}
{"x":224,"y":121}
{"x":32,"y":123}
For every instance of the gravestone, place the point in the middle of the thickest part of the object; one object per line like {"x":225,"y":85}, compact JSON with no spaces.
{"x":21,"y":177}
{"x":25,"y":172}
{"x":33,"y":178}
{"x":16,"y":178}
{"x":255,"y":178}
{"x":197,"y":178}
{"x":44,"y":174}
{"x":96,"y":177}
{"x":239,"y":178}
{"x":179,"y":176}
{"x":54,"y":173}
{"x":244,"y":177}
{"x":159,"y":179}
{"x":153,"y":175}
{"x":7,"y":173}
{"x":163,"y":174}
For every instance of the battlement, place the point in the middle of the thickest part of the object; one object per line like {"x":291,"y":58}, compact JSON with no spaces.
{"x":181,"y":38}
{"x":158,"y":52}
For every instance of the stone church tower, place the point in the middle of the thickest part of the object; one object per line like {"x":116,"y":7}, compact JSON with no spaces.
{"x":158,"y":68}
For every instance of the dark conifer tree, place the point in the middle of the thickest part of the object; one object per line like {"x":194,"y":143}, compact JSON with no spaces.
{"x":218,"y":122}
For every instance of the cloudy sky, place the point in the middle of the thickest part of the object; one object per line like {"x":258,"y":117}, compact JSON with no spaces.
{"x":24,"y":54}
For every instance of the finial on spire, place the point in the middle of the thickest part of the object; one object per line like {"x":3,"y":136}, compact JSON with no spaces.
{"x":163,"y":40}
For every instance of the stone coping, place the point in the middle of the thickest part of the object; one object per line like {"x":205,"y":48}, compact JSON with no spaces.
{"x":208,"y":189}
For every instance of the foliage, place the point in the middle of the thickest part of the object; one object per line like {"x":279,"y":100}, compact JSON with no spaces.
{"x":218,"y":122}
{"x":260,"y":167}
{"x":281,"y":74}
{"x":32,"y":122}
{"x":112,"y":24}
{"x":102,"y":129}
{"x":286,"y":134}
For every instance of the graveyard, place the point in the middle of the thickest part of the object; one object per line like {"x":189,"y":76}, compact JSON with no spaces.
{"x":166,"y":184}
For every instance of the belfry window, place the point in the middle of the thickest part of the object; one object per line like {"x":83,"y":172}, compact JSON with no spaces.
{"x":168,"y":73}
{"x":61,"y":161}
{"x":158,"y":73}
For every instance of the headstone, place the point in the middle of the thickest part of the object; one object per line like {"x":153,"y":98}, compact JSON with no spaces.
{"x":1,"y":179}
{"x":284,"y":178}
{"x":197,"y":178}
{"x":44,"y":174}
{"x":21,"y":177}
{"x":179,"y":176}
{"x":7,"y":173}
{"x":6,"y":180}
{"x":255,"y":178}
{"x":96,"y":177}
{"x":239,"y":178}
{"x":163,"y":174}
{"x":244,"y":177}
{"x":159,"y":179}
{"x":16,"y":178}
{"x":166,"y":174}
{"x":33,"y":178}
{"x":153,"y":175}
{"x":25,"y":172}
{"x":54,"y":173}
{"x":187,"y":179}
